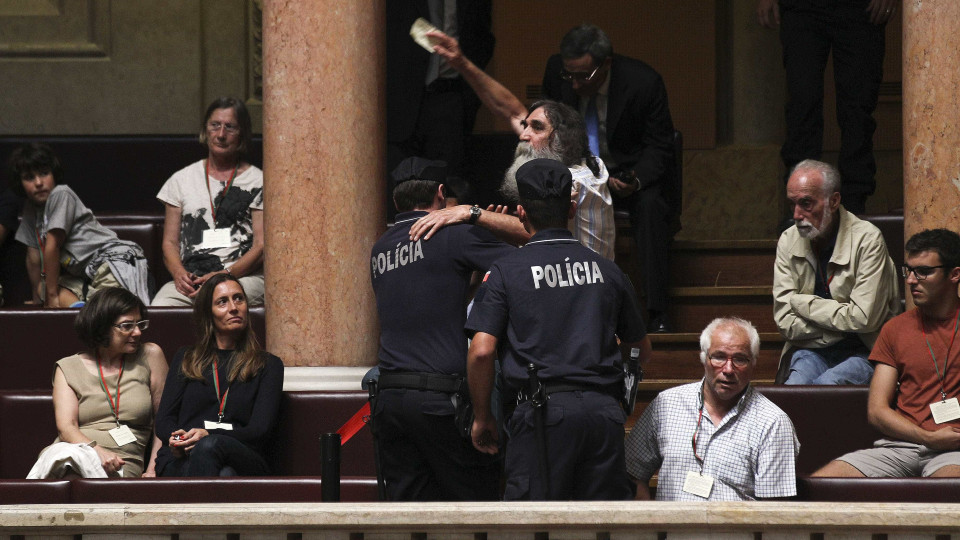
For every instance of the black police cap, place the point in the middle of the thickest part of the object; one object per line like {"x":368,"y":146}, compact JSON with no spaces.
{"x":417,"y":168}
{"x":544,"y":179}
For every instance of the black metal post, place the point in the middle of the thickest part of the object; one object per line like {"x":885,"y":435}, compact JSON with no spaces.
{"x":330,"y":467}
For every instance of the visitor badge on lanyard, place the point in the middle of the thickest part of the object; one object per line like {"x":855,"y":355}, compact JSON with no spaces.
{"x":216,"y":238}
{"x":122,"y":435}
{"x":698,"y":484}
{"x":945,"y":411}
{"x":219,"y":424}
{"x":209,"y":424}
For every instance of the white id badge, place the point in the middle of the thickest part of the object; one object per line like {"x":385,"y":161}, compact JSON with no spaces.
{"x":216,"y":238}
{"x":122,"y":435}
{"x":945,"y":411}
{"x":209,"y":424}
{"x":698,"y":484}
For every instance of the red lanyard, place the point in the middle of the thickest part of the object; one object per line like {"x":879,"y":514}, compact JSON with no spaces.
{"x":114,"y":406}
{"x":216,"y":384}
{"x":943,"y":392}
{"x":206,"y":174}
{"x":696,"y":431}
{"x":823,"y":275}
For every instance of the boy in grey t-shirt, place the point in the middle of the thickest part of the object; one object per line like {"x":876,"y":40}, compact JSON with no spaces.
{"x":69,"y":254}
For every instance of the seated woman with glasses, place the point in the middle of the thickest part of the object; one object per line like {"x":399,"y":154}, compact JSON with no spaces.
{"x":104,"y":399}
{"x":214,"y":211}
{"x":222,"y":395}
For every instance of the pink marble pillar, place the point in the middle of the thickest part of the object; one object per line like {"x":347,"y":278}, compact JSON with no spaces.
{"x":323,"y":71}
{"x":931,"y":99}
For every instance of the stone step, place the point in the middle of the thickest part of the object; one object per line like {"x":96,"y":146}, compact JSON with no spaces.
{"x":648,"y":390}
{"x":692,"y":308}
{"x":677,"y":356}
{"x":722,"y":263}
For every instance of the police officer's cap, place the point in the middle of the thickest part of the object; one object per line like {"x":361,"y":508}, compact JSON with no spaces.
{"x":417,"y":168}
{"x":544,"y":179}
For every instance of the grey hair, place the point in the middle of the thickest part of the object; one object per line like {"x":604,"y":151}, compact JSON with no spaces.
{"x":707,"y":335}
{"x":829,"y":173}
{"x":586,"y":39}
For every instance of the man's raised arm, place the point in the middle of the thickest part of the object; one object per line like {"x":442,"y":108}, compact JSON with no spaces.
{"x":494,"y":95}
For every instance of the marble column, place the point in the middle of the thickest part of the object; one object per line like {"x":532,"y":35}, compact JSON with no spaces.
{"x":323,"y":71}
{"x":931,"y":99}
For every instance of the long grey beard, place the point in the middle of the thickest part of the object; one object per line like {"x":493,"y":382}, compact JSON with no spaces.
{"x":523,"y":154}
{"x":808,"y":231}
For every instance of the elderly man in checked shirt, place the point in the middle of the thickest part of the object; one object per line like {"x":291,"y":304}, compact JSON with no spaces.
{"x":717,"y":439}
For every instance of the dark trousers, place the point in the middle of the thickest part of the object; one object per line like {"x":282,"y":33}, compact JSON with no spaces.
{"x":652,"y":231}
{"x":810,"y":30}
{"x":218,"y":455}
{"x":439,"y":134}
{"x":584,"y":450}
{"x":422,"y":456}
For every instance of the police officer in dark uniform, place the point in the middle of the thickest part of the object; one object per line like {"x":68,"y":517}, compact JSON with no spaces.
{"x":421,"y":289}
{"x":560,"y":307}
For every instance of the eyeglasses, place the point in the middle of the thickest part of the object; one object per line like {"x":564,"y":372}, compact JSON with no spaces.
{"x":740,"y":361}
{"x":581,"y":76}
{"x":922,"y":272}
{"x":129,"y":326}
{"x":214,"y":127}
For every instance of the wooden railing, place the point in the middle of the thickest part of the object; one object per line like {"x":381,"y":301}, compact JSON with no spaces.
{"x":501,"y":521}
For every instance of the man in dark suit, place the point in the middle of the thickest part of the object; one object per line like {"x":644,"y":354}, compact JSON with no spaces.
{"x":624,"y":105}
{"x":430,"y":112}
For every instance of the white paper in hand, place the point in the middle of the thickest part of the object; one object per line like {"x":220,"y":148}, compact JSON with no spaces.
{"x":419,"y":33}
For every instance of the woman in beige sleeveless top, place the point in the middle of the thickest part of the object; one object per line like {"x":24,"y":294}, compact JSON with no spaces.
{"x":107,"y":396}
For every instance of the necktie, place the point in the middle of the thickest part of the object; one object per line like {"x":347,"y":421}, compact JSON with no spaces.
{"x":590,"y":117}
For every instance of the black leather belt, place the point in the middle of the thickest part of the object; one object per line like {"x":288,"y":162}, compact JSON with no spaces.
{"x":555,"y":388}
{"x":413,"y":380}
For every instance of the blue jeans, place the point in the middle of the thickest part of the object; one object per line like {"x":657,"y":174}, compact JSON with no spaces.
{"x":838,"y":365}
{"x":218,"y":455}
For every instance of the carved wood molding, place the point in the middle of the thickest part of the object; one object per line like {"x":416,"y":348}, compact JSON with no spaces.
{"x":55,"y":29}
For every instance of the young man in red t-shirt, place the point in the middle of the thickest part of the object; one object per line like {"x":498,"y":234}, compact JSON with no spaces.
{"x":916,"y":349}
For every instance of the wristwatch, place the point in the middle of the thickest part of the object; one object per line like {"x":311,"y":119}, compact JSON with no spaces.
{"x":474,"y":214}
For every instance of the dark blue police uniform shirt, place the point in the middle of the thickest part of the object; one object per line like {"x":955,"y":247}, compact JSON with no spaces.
{"x":421,"y":290}
{"x":561,"y":306}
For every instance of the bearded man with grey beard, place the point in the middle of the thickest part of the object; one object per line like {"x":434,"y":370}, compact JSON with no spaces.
{"x":547,"y":129}
{"x":834,"y":284}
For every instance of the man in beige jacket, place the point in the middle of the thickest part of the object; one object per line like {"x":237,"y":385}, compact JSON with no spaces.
{"x":834,"y":284}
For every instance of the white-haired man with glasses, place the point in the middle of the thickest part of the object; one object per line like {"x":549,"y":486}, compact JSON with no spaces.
{"x":834,"y":284}
{"x":914,"y":391}
{"x":717,"y":439}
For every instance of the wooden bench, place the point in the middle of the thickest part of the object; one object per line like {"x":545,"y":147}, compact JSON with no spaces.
{"x":34,"y":339}
{"x":27,"y":426}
